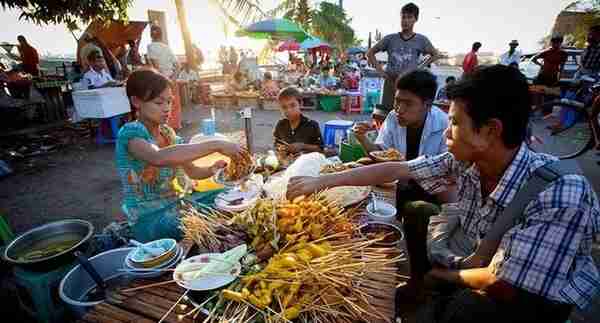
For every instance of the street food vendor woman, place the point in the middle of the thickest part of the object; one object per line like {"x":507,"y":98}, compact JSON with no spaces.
{"x":296,"y":133}
{"x":150,"y":156}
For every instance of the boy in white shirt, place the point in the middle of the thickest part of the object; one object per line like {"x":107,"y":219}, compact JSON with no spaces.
{"x":98,"y":76}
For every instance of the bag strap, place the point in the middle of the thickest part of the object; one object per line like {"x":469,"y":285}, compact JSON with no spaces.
{"x":514,"y":212}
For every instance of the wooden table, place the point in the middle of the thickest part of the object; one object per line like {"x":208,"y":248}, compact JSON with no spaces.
{"x":149,"y":305}
{"x":51,"y":91}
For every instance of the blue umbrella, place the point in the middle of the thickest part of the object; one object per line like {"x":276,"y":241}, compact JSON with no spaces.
{"x":356,"y":50}
{"x":313,"y":42}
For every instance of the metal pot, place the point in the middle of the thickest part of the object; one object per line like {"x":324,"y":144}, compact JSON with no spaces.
{"x":51,"y":233}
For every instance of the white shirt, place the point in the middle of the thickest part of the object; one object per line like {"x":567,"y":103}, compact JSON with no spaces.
{"x":506,"y":59}
{"x":392,"y":135}
{"x":92,"y":78}
{"x":161,"y":53}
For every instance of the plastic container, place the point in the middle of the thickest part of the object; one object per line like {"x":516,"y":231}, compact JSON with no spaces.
{"x":350,"y":153}
{"x":335,"y":132}
{"x":208,"y":127}
{"x":330,"y":103}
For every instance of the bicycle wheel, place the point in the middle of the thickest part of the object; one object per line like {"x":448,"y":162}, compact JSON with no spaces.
{"x":566,"y":133}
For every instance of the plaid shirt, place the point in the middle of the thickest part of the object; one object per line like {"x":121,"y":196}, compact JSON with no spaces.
{"x":591,"y":58}
{"x":549,"y":252}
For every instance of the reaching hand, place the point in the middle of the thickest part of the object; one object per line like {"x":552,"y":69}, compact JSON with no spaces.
{"x":295,"y":148}
{"x":218,"y":165}
{"x":230,"y":149}
{"x":361,"y":128}
{"x":303,"y":185}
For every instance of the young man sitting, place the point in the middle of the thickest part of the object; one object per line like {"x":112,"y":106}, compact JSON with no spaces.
{"x":98,"y":76}
{"x":296,"y":133}
{"x":414,"y":128}
{"x":541,"y":256}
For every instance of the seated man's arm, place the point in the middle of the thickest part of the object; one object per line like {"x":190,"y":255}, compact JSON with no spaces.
{"x":430,"y":173}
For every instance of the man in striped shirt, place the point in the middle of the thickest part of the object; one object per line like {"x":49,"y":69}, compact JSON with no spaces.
{"x":543,"y":262}
{"x":590,"y":59}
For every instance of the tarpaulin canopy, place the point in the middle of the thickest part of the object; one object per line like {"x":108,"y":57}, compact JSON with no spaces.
{"x":116,"y":33}
{"x":275,"y":29}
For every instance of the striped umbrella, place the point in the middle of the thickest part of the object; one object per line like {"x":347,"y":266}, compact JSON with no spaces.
{"x":275,"y":29}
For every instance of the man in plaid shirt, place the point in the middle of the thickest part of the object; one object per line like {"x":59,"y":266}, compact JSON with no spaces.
{"x":590,"y":59}
{"x":543,"y":265}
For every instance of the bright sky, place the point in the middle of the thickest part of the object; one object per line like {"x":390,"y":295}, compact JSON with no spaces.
{"x":452,"y":25}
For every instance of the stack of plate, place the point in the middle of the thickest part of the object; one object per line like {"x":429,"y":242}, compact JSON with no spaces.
{"x":139,"y":264}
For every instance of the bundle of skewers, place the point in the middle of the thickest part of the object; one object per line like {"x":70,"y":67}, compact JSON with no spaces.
{"x":311,"y":263}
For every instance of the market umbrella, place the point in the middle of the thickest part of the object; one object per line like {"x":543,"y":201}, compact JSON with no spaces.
{"x":276,"y":29}
{"x":314,"y":43}
{"x":288,"y":45}
{"x":356,"y":50}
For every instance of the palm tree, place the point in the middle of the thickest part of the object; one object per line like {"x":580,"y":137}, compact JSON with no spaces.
{"x":236,"y":12}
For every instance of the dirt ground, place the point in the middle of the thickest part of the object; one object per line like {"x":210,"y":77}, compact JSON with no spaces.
{"x":80,"y":179}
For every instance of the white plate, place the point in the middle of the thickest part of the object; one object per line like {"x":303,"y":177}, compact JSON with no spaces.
{"x":208,"y":282}
{"x":250,"y":197}
{"x":219,"y":178}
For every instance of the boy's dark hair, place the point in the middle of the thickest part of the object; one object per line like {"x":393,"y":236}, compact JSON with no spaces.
{"x":94,"y":55}
{"x":290,"y":92}
{"x":146,"y":84}
{"x":420,"y":82}
{"x":496,"y":92}
{"x":476,"y":46}
{"x":268,"y":76}
{"x":21,"y":38}
{"x":410,"y":8}
{"x":450,"y":78}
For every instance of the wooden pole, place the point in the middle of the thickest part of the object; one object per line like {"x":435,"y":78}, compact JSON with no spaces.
{"x":185,"y":33}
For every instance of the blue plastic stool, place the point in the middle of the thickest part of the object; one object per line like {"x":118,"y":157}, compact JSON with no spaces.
{"x":38,"y":293}
{"x":114,"y":126}
{"x":335,"y":132}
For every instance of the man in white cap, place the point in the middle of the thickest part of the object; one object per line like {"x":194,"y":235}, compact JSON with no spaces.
{"x":513,"y":56}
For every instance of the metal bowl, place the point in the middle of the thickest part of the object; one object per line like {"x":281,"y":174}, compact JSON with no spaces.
{"x":39,"y":237}
{"x":394,"y":235}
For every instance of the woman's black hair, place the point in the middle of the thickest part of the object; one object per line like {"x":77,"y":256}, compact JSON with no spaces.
{"x":496,"y":92}
{"x":146,"y":85}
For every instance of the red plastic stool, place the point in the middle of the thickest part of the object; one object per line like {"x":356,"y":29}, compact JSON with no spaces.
{"x":352,"y":102}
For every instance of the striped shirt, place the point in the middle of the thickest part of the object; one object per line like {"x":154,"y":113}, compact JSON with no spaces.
{"x":590,"y":60}
{"x":549,"y":252}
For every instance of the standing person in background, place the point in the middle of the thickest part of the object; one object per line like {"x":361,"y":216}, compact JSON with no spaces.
{"x":134,"y":58}
{"x":590,"y":60}
{"x":554,"y":59}
{"x":404,"y":50}
{"x":160,"y":55}
{"x":233,"y":57}
{"x":162,"y":59}
{"x":29,"y":57}
{"x":513,"y":56}
{"x":198,"y":56}
{"x":443,"y":92}
{"x":470,"y":61}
